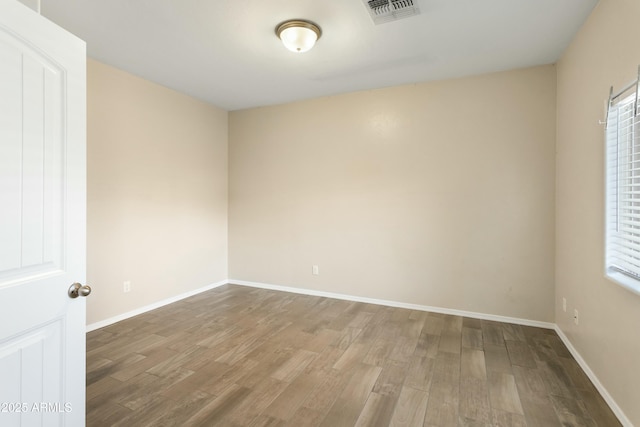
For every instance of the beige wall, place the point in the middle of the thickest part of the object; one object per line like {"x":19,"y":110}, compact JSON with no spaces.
{"x":437,"y":194}
{"x":157,"y":192}
{"x":605,"y":52}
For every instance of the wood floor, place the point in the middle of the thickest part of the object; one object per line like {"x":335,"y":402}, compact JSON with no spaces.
{"x":238,"y":356}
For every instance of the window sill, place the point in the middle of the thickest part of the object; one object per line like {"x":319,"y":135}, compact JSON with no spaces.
{"x":623,"y":280}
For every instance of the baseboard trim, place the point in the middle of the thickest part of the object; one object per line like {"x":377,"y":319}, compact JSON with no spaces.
{"x":132,"y":313}
{"x":389,"y":303}
{"x":594,"y":379}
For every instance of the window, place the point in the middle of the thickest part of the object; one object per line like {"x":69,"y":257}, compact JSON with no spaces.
{"x":622,"y":250}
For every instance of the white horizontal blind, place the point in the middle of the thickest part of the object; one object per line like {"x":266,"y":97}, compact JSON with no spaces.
{"x":623,"y":188}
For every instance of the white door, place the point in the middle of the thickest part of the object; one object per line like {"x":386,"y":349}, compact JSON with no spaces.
{"x":42,"y":220}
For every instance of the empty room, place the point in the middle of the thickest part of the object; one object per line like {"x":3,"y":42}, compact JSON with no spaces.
{"x":296,"y":213}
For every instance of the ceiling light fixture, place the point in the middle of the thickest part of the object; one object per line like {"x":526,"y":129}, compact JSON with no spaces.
{"x":298,"y":35}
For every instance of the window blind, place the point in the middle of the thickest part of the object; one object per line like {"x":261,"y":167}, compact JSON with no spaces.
{"x":623,"y":188}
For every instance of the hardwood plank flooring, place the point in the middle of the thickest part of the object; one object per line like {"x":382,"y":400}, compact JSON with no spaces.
{"x":239,"y":356}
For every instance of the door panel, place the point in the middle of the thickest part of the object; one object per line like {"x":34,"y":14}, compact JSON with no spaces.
{"x":32,"y":158}
{"x":10,"y":156}
{"x":26,"y":364}
{"x":42,"y":220}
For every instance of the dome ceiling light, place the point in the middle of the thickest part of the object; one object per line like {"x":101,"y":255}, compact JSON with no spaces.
{"x":298,"y":35}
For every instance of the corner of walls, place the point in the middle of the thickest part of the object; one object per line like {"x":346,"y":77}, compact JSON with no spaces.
{"x":157,"y":202}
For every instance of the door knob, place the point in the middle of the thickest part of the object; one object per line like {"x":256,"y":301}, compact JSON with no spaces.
{"x":77,"y":290}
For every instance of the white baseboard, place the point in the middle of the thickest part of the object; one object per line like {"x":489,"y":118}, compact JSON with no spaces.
{"x":594,"y":379}
{"x":123,"y":316}
{"x":472,"y":314}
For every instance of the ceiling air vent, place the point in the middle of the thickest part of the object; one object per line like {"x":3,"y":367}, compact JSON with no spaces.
{"x":382,"y":11}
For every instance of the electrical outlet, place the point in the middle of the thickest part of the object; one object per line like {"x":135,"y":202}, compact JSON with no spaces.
{"x":564,"y":304}
{"x":575,"y":316}
{"x":127,"y":286}
{"x":315,"y":270}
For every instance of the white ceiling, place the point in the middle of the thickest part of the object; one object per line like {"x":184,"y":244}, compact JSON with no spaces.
{"x":226,"y":52}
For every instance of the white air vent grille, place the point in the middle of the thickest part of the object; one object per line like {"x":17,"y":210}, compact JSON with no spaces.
{"x":382,"y":11}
